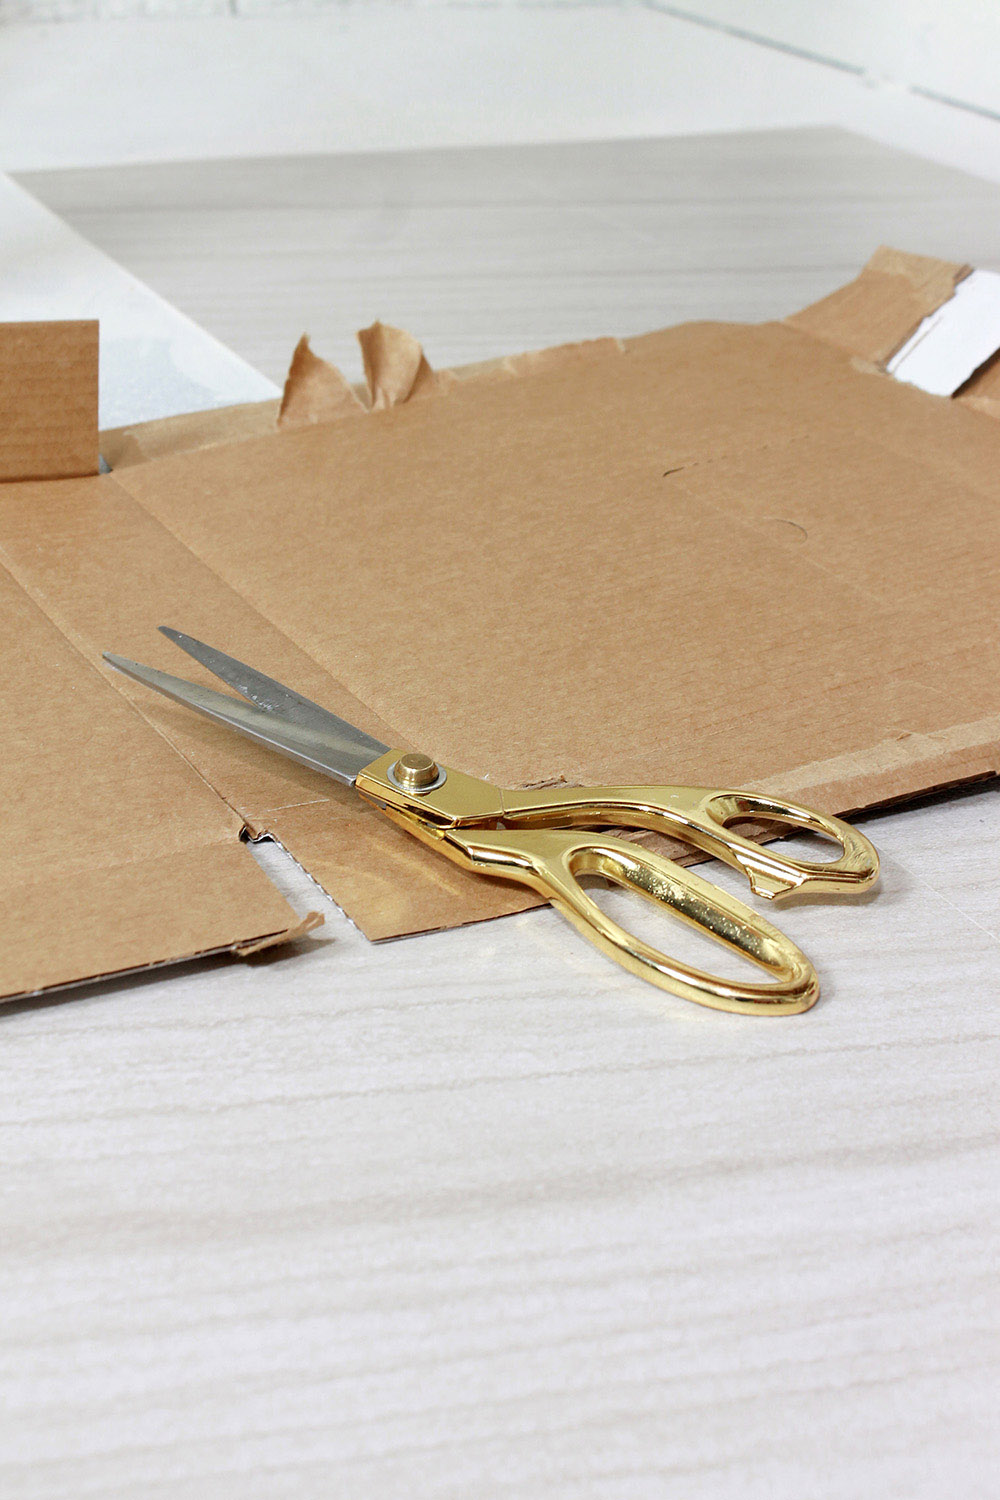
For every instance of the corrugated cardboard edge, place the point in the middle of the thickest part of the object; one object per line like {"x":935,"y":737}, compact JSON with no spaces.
{"x":981,"y":391}
{"x":907,"y":766}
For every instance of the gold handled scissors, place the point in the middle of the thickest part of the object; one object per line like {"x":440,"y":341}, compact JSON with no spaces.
{"x":546,"y":838}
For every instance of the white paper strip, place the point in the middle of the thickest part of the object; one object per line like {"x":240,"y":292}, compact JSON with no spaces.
{"x":954,"y":341}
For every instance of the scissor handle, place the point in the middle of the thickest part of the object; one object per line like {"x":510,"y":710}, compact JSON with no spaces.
{"x":700,"y":816}
{"x":531,"y":836}
{"x":553,"y":861}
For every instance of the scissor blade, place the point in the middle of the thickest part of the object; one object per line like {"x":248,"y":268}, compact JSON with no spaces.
{"x":265,"y":691}
{"x":336,"y":748}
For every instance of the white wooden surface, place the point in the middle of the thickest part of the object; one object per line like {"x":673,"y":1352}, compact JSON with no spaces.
{"x":475,"y":1213}
{"x":483,"y":252}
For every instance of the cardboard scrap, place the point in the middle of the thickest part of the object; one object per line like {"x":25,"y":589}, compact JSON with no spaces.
{"x":715,"y":554}
{"x":48,"y":397}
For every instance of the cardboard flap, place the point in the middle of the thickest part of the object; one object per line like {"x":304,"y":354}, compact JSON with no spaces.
{"x":790,"y":555}
{"x":875,"y":314}
{"x":48,"y":397}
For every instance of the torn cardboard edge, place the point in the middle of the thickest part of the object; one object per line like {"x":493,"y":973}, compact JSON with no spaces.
{"x":874,"y":318}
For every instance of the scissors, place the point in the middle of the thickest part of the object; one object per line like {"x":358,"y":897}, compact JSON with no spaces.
{"x":545,"y":838}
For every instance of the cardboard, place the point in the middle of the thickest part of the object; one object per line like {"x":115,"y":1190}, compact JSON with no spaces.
{"x":733,"y":555}
{"x":48,"y":396}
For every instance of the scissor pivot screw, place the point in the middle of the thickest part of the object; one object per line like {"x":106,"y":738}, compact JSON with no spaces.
{"x":414,"y":772}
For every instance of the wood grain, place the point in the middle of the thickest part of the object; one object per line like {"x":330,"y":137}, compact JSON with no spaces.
{"x":475,"y":1213}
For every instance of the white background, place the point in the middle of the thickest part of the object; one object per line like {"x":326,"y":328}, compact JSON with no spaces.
{"x":138,"y":80}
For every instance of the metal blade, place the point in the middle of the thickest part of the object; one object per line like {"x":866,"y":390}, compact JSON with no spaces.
{"x":264,"y":691}
{"x":275,"y":696}
{"x":335,"y":747}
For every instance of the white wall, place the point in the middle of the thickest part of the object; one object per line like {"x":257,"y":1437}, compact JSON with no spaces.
{"x":949,"y":48}
{"x":146,"y":80}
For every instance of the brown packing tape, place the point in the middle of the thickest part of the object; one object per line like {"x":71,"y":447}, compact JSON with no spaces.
{"x":395,"y":366}
{"x":875,"y":314}
{"x":48,"y":397}
{"x":396,"y":370}
{"x":122,"y":446}
{"x":315,"y":391}
{"x":714,"y":554}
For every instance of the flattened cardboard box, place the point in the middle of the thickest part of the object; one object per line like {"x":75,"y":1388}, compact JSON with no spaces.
{"x":721,"y":554}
